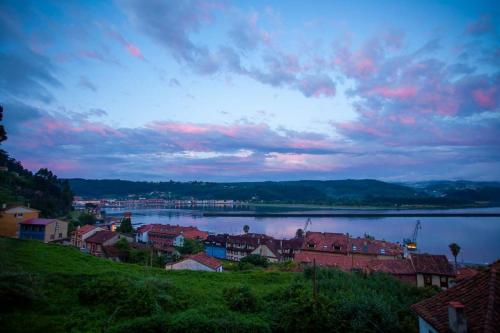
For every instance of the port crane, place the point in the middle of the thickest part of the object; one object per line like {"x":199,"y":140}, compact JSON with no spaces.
{"x":411,"y":243}
{"x":308,"y":223}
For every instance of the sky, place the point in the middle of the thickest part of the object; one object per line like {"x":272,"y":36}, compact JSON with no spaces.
{"x":252,"y":90}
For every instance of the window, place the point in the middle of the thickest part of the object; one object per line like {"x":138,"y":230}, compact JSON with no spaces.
{"x":51,"y":236}
{"x":60,"y":235}
{"x":427,"y":280}
{"x":18,"y":215}
{"x":382,"y":251}
{"x":325,"y":247}
{"x":354,"y":248}
{"x":443,"y":281}
{"x":336,"y":247}
{"x":310,"y":245}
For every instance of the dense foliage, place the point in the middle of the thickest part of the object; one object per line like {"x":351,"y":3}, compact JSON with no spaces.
{"x":332,"y":192}
{"x":41,"y":190}
{"x":59,"y":289}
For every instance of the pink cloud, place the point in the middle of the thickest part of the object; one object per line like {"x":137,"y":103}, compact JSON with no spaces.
{"x":398,"y":92}
{"x":485,"y":97}
{"x":134,"y":51}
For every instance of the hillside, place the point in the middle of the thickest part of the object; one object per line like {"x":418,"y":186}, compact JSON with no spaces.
{"x":331,"y":192}
{"x":41,"y":190}
{"x":59,"y":289}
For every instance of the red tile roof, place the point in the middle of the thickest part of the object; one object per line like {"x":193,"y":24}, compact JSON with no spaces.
{"x":145,"y":228}
{"x":465,"y":273}
{"x":38,"y":221}
{"x":84,"y":229}
{"x":326,"y":242}
{"x":392,"y":266}
{"x":206,"y":260}
{"x":101,"y":237}
{"x":343,"y":243}
{"x":343,"y":262}
{"x":481,"y":297}
{"x":432,"y":264}
{"x":188,"y":232}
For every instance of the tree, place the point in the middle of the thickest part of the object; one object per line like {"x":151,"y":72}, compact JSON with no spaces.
{"x":3,"y":134}
{"x":126,"y":226}
{"x":191,"y":246}
{"x":299,"y":233}
{"x":86,"y":218}
{"x":455,"y":250}
{"x":246,"y":228}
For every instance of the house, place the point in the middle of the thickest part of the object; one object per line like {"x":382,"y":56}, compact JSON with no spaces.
{"x":343,"y":244}
{"x":328,"y":242}
{"x":215,"y":246}
{"x":166,"y":235}
{"x":472,"y":306}
{"x":45,"y":230}
{"x":279,"y":250}
{"x":325,"y":259}
{"x":240,"y":246}
{"x":142,"y":233}
{"x":79,"y":236}
{"x":96,"y":242}
{"x":433,"y":270}
{"x":11,"y":216}
{"x":197,"y":262}
{"x":402,"y":269}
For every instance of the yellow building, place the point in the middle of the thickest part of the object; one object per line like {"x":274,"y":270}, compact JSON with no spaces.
{"x":10,"y":218}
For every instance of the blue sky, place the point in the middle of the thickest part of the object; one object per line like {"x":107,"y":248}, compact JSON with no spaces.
{"x":261,"y":90}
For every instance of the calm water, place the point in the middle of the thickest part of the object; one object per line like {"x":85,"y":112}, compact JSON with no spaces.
{"x":479,"y":237}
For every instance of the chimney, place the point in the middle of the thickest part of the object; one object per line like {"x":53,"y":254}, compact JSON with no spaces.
{"x":456,"y":317}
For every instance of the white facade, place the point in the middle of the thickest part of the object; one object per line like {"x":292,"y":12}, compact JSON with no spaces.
{"x":425,"y":327}
{"x":192,"y":265}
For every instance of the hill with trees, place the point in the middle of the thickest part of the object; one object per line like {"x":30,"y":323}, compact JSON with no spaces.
{"x":41,"y":190}
{"x":331,"y":192}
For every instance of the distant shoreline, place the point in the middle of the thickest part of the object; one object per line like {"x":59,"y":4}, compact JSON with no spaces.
{"x":354,"y":214}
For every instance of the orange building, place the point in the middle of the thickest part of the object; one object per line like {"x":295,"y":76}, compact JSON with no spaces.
{"x":12,"y":216}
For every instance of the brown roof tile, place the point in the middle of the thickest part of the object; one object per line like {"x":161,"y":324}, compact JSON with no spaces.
{"x":206,"y":260}
{"x":101,"y":236}
{"x":432,"y":264}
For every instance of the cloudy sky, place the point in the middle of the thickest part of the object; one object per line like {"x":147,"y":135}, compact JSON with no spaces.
{"x":253,"y":90}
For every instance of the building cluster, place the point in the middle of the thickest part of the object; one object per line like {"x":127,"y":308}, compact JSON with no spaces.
{"x":165,"y":237}
{"x":154,"y":202}
{"x":22,"y":222}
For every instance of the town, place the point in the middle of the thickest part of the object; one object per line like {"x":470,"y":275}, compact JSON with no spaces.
{"x":167,"y":245}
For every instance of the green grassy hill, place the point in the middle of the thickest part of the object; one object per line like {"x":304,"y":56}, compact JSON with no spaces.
{"x":52,"y":288}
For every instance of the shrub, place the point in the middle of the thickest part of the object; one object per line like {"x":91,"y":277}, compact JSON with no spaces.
{"x":240,"y":298}
{"x":18,"y":290}
{"x":255,"y":260}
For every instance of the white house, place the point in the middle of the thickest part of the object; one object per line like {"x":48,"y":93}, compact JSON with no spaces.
{"x":197,"y":262}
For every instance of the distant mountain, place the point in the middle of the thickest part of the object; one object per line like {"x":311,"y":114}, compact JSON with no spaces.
{"x":345,"y":192}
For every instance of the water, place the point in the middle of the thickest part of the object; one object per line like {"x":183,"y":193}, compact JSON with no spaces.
{"x":479,"y":237}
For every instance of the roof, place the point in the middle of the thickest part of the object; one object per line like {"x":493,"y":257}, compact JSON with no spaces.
{"x":392,"y":266}
{"x":84,"y":229}
{"x":101,"y":236}
{"x":40,"y":221}
{"x":187,"y":232}
{"x":480,"y":296}
{"x":325,"y":242}
{"x":432,"y":264}
{"x":374,"y":246}
{"x":206,"y":260}
{"x":345,"y":263}
{"x":465,"y":273}
{"x":145,"y":228}
{"x":20,"y":209}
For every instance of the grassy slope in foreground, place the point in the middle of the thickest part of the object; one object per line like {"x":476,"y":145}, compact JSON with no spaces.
{"x":58,"y":289}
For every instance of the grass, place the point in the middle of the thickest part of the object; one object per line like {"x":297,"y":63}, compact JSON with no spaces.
{"x":48,"y":287}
